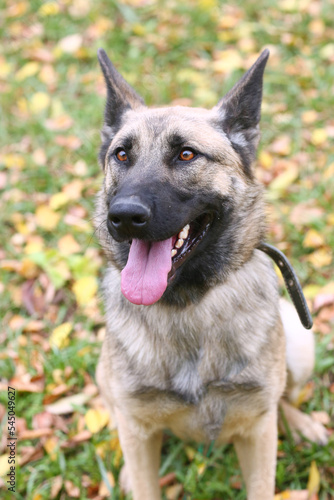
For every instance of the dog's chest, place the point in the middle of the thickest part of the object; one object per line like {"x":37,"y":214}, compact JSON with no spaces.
{"x":195,"y":387}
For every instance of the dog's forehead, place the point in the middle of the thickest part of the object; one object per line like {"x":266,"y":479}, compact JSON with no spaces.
{"x":193,"y":125}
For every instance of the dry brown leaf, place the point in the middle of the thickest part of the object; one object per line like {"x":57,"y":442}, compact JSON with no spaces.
{"x":67,"y":405}
{"x":174,"y":492}
{"x":82,"y":436}
{"x":30,"y":454}
{"x":103,"y":489}
{"x":62,"y":122}
{"x":306,"y":212}
{"x":42,"y":420}
{"x":323,"y":300}
{"x":56,"y":485}
{"x":33,"y":326}
{"x":70,"y":141}
{"x":24,"y":386}
{"x":282,"y":145}
{"x":72,"y":490}
{"x":35,"y":433}
{"x":167,"y":479}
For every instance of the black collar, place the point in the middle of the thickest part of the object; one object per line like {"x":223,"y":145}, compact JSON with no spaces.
{"x":291,"y":282}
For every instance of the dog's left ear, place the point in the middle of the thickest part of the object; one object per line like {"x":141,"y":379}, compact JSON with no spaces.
{"x":239,"y":112}
{"x":120,"y":95}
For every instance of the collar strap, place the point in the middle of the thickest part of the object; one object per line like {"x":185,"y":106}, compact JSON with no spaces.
{"x":291,"y":282}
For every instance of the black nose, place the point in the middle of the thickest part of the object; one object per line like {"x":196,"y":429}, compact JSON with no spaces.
{"x":129,"y":213}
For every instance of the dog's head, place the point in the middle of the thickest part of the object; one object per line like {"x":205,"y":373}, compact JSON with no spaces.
{"x":180,"y":202}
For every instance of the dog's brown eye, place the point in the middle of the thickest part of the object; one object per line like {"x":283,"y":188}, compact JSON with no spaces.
{"x":186,"y":155}
{"x":121,"y":155}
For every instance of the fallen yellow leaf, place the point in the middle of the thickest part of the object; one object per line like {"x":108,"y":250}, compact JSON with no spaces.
{"x":49,"y":9}
{"x":5,"y":68}
{"x":17,"y":9}
{"x":68,"y":245}
{"x":327,"y":289}
{"x":330,"y":219}
{"x":319,"y":136}
{"x":58,"y":200}
{"x":227,"y":61}
{"x":313,"y":239}
{"x":329,"y":172}
{"x":283,"y":181}
{"x":50,"y":447}
{"x":309,"y":116}
{"x":265,"y":159}
{"x":73,"y":189}
{"x":29,"y":269}
{"x":39,"y":102}
{"x":96,"y":419}
{"x":13,"y":161}
{"x":85,"y":289}
{"x":4,"y":465}
{"x":311,"y":291}
{"x":26,"y":71}
{"x":47,"y":218}
{"x":60,"y":334}
{"x":313,"y":483}
{"x":320,"y":258}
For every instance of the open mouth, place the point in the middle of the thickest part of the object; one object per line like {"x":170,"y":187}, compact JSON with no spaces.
{"x":151,"y":265}
{"x":185,"y":242}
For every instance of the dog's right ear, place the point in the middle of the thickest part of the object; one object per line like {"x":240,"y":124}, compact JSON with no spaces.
{"x":120,"y":96}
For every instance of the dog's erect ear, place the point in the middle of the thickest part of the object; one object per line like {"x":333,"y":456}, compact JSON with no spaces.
{"x":240,"y":111}
{"x":120,"y":95}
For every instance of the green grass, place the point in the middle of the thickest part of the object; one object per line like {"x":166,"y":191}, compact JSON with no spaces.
{"x":167,"y":51}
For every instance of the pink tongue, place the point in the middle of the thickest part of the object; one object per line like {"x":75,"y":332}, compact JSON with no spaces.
{"x":144,"y":278}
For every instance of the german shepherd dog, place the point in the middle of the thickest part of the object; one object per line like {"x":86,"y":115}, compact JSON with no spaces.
{"x":195,"y":340}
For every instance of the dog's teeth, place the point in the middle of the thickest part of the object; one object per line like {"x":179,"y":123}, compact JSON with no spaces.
{"x":174,"y":252}
{"x":179,"y":243}
{"x":184,"y":233}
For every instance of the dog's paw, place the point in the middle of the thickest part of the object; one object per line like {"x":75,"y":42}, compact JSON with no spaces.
{"x":124,"y":481}
{"x":301,"y":424}
{"x":311,"y":430}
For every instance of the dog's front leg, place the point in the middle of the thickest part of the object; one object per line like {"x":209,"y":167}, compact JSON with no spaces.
{"x":142,"y":460}
{"x":257,"y":458}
